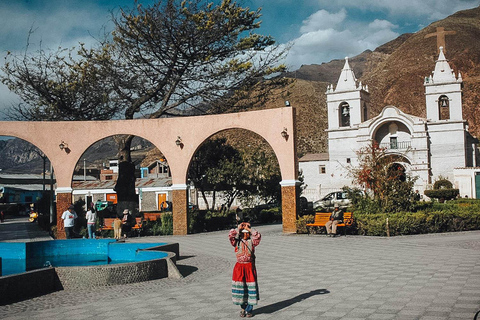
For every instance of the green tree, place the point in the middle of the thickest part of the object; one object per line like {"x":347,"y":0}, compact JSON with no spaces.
{"x":382,"y":176}
{"x":171,"y":58}
{"x":57,"y":86}
{"x":245,"y":174}
{"x":210,"y":165}
{"x":262,"y":170}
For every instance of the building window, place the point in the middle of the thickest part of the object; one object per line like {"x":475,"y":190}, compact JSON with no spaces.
{"x":108,"y":177}
{"x":344,"y":115}
{"x":348,"y":160}
{"x":444,"y":107}
{"x":322,"y":169}
{"x":365,"y":112}
{"x":393,"y":143}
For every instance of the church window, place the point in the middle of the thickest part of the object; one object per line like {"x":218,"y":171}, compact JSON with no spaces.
{"x":365,"y":112}
{"x":344,"y":115}
{"x":321,"y":169}
{"x":393,"y":143}
{"x":444,"y":107}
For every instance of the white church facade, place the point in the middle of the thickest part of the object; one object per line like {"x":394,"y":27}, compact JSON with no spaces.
{"x":432,"y":147}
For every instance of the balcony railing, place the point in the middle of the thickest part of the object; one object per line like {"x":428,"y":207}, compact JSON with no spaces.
{"x":399,"y":145}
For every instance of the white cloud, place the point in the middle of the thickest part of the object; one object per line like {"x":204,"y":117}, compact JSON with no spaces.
{"x":53,"y":24}
{"x":430,"y":9}
{"x":381,"y":25}
{"x":52,"y":27}
{"x":322,"y":19}
{"x":326,"y":36}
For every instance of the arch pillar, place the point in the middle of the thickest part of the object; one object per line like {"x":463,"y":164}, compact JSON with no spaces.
{"x":290,"y":202}
{"x":64,"y":200}
{"x":179,"y":210}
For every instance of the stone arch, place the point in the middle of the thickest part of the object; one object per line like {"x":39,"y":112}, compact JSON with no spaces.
{"x":42,"y":197}
{"x":389,"y":114}
{"x":235,"y":128}
{"x":276,"y":126}
{"x":256,"y":136}
{"x":81,"y":190}
{"x":399,"y":162}
{"x":392,"y":135}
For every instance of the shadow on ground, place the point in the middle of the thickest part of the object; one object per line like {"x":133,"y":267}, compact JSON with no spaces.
{"x":185,"y":270}
{"x":286,"y":303}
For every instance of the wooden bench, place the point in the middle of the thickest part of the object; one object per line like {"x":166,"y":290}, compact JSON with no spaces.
{"x":151,"y":216}
{"x":108,"y":224}
{"x":321,"y":218}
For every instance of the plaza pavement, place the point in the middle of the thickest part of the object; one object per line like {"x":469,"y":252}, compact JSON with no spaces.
{"x":425,"y":277}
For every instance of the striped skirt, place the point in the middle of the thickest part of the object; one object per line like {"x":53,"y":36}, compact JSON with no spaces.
{"x":244,"y":284}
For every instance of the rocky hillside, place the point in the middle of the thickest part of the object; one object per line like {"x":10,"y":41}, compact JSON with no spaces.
{"x":19,"y":156}
{"x":394,"y":73}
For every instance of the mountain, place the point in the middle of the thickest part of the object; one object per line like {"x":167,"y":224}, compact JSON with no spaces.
{"x":20,"y":156}
{"x":394,"y":73}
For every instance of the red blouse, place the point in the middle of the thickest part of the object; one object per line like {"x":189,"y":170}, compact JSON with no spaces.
{"x":245,"y":249}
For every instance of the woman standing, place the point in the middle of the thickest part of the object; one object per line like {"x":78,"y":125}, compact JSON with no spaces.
{"x":244,"y":281}
{"x":91,"y":219}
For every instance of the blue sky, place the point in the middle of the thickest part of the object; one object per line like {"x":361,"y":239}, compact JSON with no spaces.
{"x":320,"y":30}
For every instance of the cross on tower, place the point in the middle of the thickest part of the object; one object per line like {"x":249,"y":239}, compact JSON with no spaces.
{"x":440,"y":34}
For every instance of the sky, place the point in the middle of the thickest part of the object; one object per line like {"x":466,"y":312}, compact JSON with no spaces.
{"x":318,"y":30}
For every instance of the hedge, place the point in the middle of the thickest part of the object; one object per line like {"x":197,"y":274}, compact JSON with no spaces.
{"x":446,"y":194}
{"x":458,"y":215}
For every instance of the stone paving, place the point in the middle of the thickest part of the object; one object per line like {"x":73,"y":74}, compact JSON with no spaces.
{"x":424,"y":277}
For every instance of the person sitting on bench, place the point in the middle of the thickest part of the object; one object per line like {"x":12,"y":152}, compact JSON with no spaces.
{"x":335,"y":218}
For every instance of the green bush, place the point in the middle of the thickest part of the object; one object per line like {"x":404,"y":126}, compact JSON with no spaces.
{"x":442,"y":184}
{"x":161,"y":226}
{"x":431,"y":217}
{"x":269,"y":215}
{"x":166,"y":227}
{"x":446,"y":194}
{"x":302,"y":221}
{"x":196,"y":221}
{"x":437,"y":218}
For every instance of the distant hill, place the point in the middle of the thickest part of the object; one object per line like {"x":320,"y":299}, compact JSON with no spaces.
{"x":394,"y":73}
{"x":19,"y":156}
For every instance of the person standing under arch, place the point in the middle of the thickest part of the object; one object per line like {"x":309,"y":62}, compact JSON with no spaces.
{"x":244,"y":280}
{"x":68,"y":218}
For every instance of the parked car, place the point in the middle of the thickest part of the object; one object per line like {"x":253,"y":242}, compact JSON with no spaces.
{"x":328,"y":202}
{"x":192,"y":206}
{"x":270,"y":204}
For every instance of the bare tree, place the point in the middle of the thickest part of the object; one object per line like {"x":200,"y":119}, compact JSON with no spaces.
{"x":171,"y":58}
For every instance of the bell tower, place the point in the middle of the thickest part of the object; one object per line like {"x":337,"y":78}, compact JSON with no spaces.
{"x":348,"y":103}
{"x":443,"y":92}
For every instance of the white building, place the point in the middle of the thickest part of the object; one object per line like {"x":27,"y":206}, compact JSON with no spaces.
{"x":437,"y":146}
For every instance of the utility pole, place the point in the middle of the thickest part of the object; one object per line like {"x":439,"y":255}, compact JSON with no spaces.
{"x":52,"y":217}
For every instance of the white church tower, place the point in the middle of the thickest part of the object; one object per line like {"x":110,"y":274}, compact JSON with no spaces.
{"x":443,"y":92}
{"x":348,"y":103}
{"x":450,"y":145}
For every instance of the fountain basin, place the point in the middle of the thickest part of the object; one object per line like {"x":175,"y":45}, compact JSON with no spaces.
{"x":36,"y":268}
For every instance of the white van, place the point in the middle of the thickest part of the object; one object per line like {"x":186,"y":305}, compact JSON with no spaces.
{"x":327,"y":203}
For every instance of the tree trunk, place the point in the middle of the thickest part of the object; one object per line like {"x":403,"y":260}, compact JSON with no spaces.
{"x":125,"y":186}
{"x":205,"y":198}
{"x":213,"y":199}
